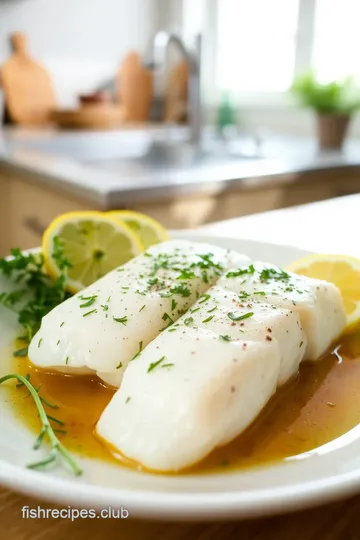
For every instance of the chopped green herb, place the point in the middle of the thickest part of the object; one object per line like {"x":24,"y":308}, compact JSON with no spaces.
{"x":58,"y":342}
{"x":234,"y":317}
{"x":122,"y":320}
{"x":186,"y":274}
{"x":90,"y":312}
{"x":188,"y":321}
{"x":142,"y":308}
{"x":208,"y":319}
{"x":181,"y":289}
{"x":21,"y":352}
{"x":173,"y":304}
{"x":153,"y":365}
{"x":62,"y":324}
{"x":139,"y":351}
{"x":225,"y":338}
{"x":67,"y":360}
{"x":194,"y":310}
{"x":167,"y":365}
{"x":127,"y":399}
{"x":120,"y":365}
{"x":241,"y":271}
{"x":40,"y":342}
{"x":301,"y":343}
{"x":104,"y":307}
{"x":273,"y":273}
{"x":204,"y":276}
{"x":204,"y":298}
{"x":262,"y":293}
{"x":89,"y":300}
{"x":212,"y":309}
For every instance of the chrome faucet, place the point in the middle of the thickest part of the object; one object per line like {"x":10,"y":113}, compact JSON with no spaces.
{"x":160,"y":44}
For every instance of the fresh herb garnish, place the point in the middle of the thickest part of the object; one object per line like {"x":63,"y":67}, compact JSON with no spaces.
{"x":57,"y":448}
{"x":122,"y":320}
{"x":234,"y":317}
{"x":173,"y":304}
{"x":90,"y":312}
{"x":153,"y":365}
{"x":89,"y":300}
{"x":120,"y":365}
{"x":204,"y":298}
{"x":186,"y":274}
{"x":40,"y":293}
{"x":262,"y":293}
{"x":139,"y":351}
{"x":181,"y":289}
{"x":208,"y":319}
{"x":21,"y":352}
{"x":274,"y":273}
{"x":142,"y":308}
{"x":225,"y":338}
{"x":188,"y":321}
{"x":241,"y":271}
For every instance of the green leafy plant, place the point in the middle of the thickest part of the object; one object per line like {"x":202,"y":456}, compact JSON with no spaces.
{"x":336,"y":97}
{"x":57,"y":448}
{"x":38,"y":295}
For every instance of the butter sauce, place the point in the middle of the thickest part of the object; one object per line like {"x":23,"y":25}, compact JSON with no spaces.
{"x":321,"y":404}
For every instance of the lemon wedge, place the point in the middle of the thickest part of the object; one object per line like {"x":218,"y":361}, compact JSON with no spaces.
{"x":341,"y":270}
{"x":149,"y":230}
{"x":90,"y":243}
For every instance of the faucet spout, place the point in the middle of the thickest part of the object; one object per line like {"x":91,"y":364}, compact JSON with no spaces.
{"x":161,"y":41}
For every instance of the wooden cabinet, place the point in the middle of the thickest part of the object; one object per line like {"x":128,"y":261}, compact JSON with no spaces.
{"x":27,"y":207}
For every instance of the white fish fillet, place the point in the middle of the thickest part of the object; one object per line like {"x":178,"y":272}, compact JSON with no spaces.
{"x":187,"y":393}
{"x":261,"y":322}
{"x":103,"y":327}
{"x":318,"y":303}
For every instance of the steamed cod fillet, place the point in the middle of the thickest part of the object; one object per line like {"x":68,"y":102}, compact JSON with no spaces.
{"x":202,"y":381}
{"x":187,"y":393}
{"x":240,"y":317}
{"x":100,"y":329}
{"x":318,"y":303}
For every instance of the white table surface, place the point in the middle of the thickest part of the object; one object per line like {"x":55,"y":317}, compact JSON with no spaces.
{"x":331,"y":226}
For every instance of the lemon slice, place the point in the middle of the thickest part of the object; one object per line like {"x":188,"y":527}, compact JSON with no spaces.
{"x":148,"y":229}
{"x":91,"y":242}
{"x":341,"y":270}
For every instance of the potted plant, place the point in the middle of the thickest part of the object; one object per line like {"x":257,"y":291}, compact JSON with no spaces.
{"x":334,"y":104}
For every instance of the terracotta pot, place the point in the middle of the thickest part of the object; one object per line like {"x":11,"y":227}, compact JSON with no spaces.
{"x":331,"y":130}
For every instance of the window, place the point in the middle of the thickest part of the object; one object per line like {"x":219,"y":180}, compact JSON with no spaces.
{"x":259,"y":46}
{"x":337,"y":39}
{"x":256,"y":44}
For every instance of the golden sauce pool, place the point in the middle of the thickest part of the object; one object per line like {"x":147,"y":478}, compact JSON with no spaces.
{"x":321,"y":404}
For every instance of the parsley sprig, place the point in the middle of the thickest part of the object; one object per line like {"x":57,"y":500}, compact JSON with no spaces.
{"x":39,"y":293}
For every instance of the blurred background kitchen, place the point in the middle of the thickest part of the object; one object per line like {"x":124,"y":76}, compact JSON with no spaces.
{"x":190,"y":111}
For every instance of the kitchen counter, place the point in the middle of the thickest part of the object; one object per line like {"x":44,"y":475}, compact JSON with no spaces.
{"x":46,"y":173}
{"x":96,"y":166}
{"x":338,"y":521}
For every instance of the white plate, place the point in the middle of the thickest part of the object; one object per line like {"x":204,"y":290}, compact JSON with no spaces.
{"x":316,"y":477}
